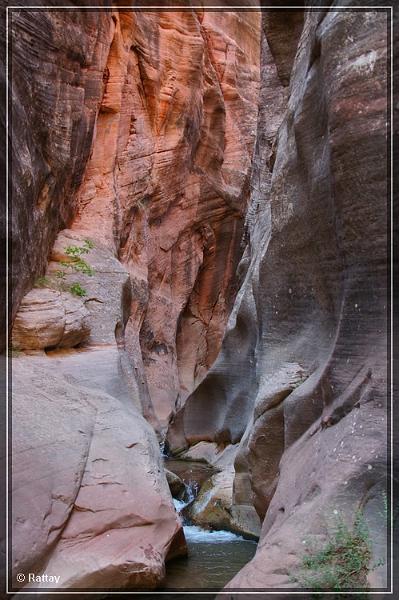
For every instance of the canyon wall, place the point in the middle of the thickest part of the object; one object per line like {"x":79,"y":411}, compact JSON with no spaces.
{"x":301,"y":379}
{"x":132,"y":141}
{"x":162,"y":107}
{"x":57,"y":59}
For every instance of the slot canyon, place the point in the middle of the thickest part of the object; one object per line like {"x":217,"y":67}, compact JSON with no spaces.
{"x":200,"y":296}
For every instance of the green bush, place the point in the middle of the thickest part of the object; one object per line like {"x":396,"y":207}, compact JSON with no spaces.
{"x":77,"y":264}
{"x":77,"y":290}
{"x":342,"y":563}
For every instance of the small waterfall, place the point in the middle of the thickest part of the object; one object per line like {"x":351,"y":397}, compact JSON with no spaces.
{"x":213,"y":557}
{"x":163,"y":447}
{"x":194,"y":533}
{"x":191,"y":491}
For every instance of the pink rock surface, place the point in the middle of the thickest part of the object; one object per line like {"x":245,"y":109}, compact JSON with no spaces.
{"x":90,"y":497}
{"x":166,"y":186}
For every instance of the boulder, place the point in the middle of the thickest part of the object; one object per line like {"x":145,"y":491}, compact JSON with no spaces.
{"x":90,"y":497}
{"x":213,"y":507}
{"x":176,"y":485}
{"x":48,"y":318}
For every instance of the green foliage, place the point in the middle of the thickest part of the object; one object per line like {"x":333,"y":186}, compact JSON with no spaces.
{"x":88,"y":244}
{"x":342,"y":563}
{"x":77,"y":263}
{"x":76,"y":251}
{"x":77,"y":290}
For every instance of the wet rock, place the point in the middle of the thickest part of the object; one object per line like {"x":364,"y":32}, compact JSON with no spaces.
{"x":176,"y":485}
{"x":213,"y":507}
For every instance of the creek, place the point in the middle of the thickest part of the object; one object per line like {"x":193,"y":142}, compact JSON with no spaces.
{"x":214,"y":557}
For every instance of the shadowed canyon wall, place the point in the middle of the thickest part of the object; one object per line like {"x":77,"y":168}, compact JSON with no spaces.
{"x":301,"y":379}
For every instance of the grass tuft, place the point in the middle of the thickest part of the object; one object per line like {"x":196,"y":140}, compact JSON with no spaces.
{"x":341,"y":564}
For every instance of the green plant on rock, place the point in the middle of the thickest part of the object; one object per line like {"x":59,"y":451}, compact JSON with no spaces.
{"x":77,"y":263}
{"x":77,"y":290}
{"x":60,"y":274}
{"x":341,"y":564}
{"x":79,"y":250}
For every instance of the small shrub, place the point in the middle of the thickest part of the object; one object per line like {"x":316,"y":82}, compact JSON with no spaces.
{"x":79,"y":250}
{"x":82,"y":266}
{"x":77,"y":263}
{"x":88,"y":244}
{"x":342,"y":564}
{"x":77,"y":290}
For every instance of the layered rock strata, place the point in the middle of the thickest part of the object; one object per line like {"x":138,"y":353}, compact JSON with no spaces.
{"x":57,"y":60}
{"x":301,"y":380}
{"x":143,"y":142}
{"x":90,"y":497}
{"x":139,"y":147}
{"x":167,"y":183}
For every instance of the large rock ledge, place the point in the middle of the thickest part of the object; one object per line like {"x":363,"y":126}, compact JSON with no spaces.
{"x":90,"y":497}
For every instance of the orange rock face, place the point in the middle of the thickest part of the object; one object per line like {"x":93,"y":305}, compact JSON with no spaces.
{"x":167,"y":183}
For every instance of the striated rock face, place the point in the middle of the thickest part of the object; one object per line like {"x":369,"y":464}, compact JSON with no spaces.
{"x":143,"y":140}
{"x":136,"y":185}
{"x":168,"y":179}
{"x":139,"y":147}
{"x":301,"y":378}
{"x":58,"y":59}
{"x":48,"y":318}
{"x":102,"y":514}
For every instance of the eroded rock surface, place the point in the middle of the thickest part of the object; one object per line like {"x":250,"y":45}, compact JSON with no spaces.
{"x":48,"y":318}
{"x":90,"y":498}
{"x":167,"y":183}
{"x":141,"y":137}
{"x":58,"y":59}
{"x":301,"y":379}
{"x":143,"y":144}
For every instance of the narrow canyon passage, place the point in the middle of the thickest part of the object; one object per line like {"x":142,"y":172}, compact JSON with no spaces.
{"x":199,"y":316}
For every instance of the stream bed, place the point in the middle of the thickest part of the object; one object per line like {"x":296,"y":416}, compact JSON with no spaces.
{"x":214,"y":557}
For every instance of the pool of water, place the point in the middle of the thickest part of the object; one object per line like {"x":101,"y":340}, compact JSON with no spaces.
{"x":214,"y":557}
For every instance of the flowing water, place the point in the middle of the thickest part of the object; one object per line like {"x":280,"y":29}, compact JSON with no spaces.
{"x":214,"y":557}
